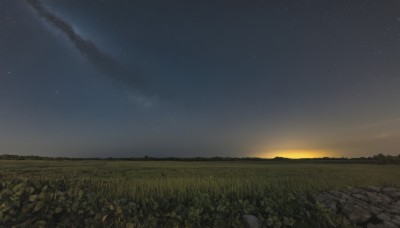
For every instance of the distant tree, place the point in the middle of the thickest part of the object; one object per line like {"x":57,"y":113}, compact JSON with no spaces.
{"x":281,"y":158}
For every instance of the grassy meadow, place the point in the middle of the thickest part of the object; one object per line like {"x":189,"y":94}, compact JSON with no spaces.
{"x":177,"y":194}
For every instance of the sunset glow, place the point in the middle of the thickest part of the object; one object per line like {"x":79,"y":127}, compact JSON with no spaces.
{"x":295,"y":154}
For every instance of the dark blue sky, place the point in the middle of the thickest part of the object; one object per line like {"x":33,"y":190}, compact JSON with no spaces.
{"x":199,"y":78}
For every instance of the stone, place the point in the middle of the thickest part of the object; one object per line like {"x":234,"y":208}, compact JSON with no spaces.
{"x":374,"y":198}
{"x":360,"y":196}
{"x":383,"y":217}
{"x":375,"y":210}
{"x":393,"y":195}
{"x":374,"y":189}
{"x":394,"y":209}
{"x":328,"y":197}
{"x":355,"y":214}
{"x":395,"y":222}
{"x":361,"y":203}
{"x":389,"y":225}
{"x":347,"y":207}
{"x":370,"y":225}
{"x":251,"y":221}
{"x":331,"y":204}
{"x":386,"y":200}
{"x":389,"y":189}
{"x":358,"y":217}
{"x":365,"y":205}
{"x":339,"y":195}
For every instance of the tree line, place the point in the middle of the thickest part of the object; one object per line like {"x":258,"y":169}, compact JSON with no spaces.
{"x":378,"y":158}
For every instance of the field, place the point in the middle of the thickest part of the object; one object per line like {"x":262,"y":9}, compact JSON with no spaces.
{"x":176,"y":194}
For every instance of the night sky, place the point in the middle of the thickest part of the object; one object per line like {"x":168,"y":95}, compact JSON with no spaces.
{"x":129,"y":78}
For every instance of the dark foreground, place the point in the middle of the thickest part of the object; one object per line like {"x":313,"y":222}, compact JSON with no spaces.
{"x":177,"y":194}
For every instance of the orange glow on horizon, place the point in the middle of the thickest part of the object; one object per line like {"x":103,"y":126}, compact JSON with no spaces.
{"x":295,"y":154}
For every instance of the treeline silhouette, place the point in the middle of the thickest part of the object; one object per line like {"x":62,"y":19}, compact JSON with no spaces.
{"x":379,"y":158}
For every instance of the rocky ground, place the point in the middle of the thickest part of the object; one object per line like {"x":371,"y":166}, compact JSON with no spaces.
{"x":365,"y":207}
{"x":32,"y":203}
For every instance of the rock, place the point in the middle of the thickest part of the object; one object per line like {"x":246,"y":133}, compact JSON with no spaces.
{"x":395,"y":222}
{"x":389,"y":225}
{"x":328,"y":201}
{"x":360,"y":205}
{"x":393,"y":195}
{"x":375,"y":210}
{"x":354,"y":190}
{"x":355,"y":214}
{"x":374,"y":198}
{"x":374,"y":189}
{"x":395,"y":209}
{"x":251,"y":221}
{"x":347,"y":207}
{"x":370,"y":225}
{"x":360,"y":196}
{"x":358,"y":217}
{"x":386,"y":199}
{"x":389,"y":189}
{"x":332,"y":205}
{"x":339,"y":195}
{"x":383,"y":217}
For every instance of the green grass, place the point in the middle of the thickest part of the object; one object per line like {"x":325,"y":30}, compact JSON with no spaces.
{"x":138,"y":179}
{"x":259,"y":184}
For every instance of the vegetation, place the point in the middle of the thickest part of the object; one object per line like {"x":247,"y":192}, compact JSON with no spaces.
{"x":145,"y":158}
{"x":176,"y":193}
{"x":376,"y":159}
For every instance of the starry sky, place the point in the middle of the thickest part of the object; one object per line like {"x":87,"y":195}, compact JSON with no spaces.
{"x":129,"y":78}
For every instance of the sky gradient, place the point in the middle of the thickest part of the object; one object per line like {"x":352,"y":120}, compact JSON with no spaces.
{"x":129,"y":78}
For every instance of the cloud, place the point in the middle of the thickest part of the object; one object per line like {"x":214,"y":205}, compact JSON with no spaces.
{"x":101,"y":60}
{"x":379,"y":124}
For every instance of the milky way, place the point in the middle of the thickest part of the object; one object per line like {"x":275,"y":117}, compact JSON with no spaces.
{"x":87,"y":48}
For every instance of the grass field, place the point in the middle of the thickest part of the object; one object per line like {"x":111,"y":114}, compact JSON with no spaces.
{"x":186,"y":194}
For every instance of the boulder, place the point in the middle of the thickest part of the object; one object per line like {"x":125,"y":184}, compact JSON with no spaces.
{"x":251,"y":221}
{"x":355,"y":214}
